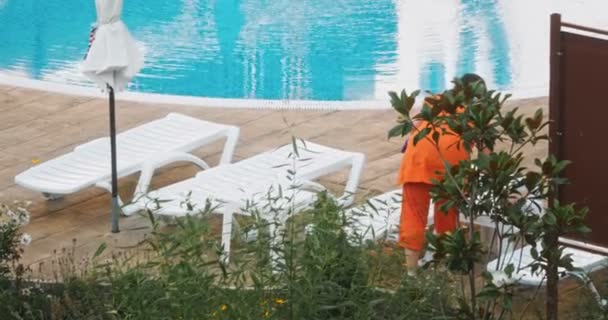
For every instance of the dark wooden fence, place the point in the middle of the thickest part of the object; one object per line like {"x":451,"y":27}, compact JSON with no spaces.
{"x":579,"y":108}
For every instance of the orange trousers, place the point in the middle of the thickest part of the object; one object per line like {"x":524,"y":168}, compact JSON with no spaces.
{"x":414,"y":216}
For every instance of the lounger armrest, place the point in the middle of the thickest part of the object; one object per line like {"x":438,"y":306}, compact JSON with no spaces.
{"x":172,"y":157}
{"x":232,"y":137}
{"x":358,"y":161}
{"x":154,"y":163}
{"x":311,"y":186}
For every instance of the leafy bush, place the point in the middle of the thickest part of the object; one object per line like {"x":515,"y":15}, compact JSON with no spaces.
{"x":13,"y":293}
{"x":12,"y":217}
{"x":304,"y":264}
{"x":497,"y":185}
{"x":321,"y":272}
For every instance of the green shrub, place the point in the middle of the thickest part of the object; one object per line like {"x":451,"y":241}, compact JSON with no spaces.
{"x":495,"y":184}
{"x":321,"y":273}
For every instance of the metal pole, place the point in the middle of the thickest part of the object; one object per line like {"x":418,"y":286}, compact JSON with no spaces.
{"x":555,"y":89}
{"x":115,"y":205}
{"x":552,"y":290}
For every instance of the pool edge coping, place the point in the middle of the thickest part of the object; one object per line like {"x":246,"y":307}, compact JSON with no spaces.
{"x":233,"y":103}
{"x":207,"y":102}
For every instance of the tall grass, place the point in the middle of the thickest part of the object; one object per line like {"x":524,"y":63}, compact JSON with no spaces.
{"x":318,"y":272}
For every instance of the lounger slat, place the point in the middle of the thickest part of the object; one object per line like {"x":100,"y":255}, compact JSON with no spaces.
{"x":65,"y":173}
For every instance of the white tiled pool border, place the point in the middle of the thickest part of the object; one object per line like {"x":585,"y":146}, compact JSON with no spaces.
{"x":192,"y":100}
{"x":15,"y":81}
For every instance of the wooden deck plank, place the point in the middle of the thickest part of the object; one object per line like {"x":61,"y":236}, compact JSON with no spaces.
{"x":15,"y":97}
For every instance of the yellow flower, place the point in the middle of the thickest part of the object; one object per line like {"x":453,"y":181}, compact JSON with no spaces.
{"x":267,"y":313}
{"x":35,"y":161}
{"x":224,"y":307}
{"x":279,"y":301}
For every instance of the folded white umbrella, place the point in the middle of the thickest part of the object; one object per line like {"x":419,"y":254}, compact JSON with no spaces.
{"x":112,"y":60}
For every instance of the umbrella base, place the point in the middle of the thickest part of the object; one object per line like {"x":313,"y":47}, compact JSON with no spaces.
{"x":116,"y":213}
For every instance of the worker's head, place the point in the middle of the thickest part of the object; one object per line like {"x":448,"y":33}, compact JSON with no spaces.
{"x":467,"y":80}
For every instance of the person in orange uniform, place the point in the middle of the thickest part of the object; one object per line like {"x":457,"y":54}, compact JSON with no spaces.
{"x":421,"y":164}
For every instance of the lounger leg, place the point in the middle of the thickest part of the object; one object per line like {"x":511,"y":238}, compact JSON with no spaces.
{"x":108,"y":187}
{"x":603,"y":304}
{"x":226,"y":235}
{"x":231,"y":139}
{"x":52,"y":196}
{"x":584,"y":278}
{"x":353,"y":181}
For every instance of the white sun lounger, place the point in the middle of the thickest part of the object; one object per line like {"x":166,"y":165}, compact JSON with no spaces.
{"x":378,"y":218}
{"x":582,"y":254}
{"x":251,"y":180}
{"x":144,"y":148}
{"x":521,"y":259}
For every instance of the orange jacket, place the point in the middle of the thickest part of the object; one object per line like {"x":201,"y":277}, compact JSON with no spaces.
{"x":424,"y":161}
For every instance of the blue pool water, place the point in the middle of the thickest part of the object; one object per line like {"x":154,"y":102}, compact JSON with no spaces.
{"x":286,"y":49}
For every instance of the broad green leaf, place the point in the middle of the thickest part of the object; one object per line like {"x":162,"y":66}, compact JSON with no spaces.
{"x":550,"y":219}
{"x":151,"y":216}
{"x":561,"y":165}
{"x":295,"y":146}
{"x":396,"y":131}
{"x":435,"y":137}
{"x":102,"y":247}
{"x":421,"y":135}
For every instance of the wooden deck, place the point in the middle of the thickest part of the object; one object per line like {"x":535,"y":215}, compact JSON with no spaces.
{"x":37,"y":126}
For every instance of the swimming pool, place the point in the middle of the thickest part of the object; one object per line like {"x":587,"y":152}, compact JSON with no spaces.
{"x":310,"y":50}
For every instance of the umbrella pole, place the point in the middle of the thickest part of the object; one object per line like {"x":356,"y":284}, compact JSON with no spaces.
{"x":116,"y":211}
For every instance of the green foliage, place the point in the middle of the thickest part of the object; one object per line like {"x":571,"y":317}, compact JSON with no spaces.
{"x":9,"y":248}
{"x":322,"y":272}
{"x":12,"y":217}
{"x":459,"y":253}
{"x":403,"y":104}
{"x":495,"y":185}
